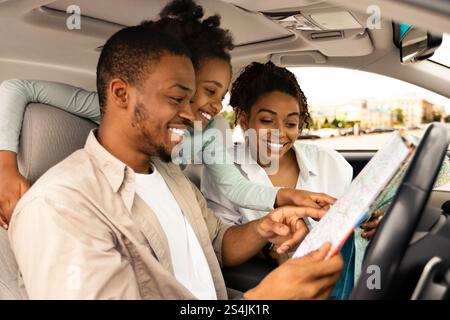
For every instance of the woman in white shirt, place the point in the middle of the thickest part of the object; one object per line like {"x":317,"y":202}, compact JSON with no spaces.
{"x":272,"y":110}
{"x":268,"y":98}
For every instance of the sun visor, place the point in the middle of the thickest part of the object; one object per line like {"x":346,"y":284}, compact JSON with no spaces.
{"x":246,"y":27}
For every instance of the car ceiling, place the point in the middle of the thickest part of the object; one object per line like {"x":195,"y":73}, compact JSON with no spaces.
{"x":37,"y":44}
{"x":124,"y":14}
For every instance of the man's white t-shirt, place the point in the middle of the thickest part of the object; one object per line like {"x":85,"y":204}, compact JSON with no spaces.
{"x":189,"y":262}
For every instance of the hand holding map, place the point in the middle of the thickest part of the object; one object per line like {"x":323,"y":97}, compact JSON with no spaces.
{"x":352,"y":208}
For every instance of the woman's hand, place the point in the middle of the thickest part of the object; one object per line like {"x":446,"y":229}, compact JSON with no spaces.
{"x":293,"y":197}
{"x":12,"y":186}
{"x":370,"y":227}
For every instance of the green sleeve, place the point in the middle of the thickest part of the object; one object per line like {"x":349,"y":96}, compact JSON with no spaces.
{"x":15,"y":95}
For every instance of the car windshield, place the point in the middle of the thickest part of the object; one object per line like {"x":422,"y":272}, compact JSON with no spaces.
{"x":442,"y":54}
{"x":361,"y":111}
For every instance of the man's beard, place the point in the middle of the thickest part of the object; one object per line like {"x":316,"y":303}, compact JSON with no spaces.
{"x":140,"y":117}
{"x":164,"y":155}
{"x":154,"y":150}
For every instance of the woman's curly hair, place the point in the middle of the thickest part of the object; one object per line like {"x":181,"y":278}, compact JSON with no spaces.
{"x":258,"y":79}
{"x":184,"y":20}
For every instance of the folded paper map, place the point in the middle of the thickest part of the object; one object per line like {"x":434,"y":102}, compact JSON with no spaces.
{"x":353,"y":207}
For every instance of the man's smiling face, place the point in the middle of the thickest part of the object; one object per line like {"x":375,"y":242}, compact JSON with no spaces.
{"x":161,"y":110}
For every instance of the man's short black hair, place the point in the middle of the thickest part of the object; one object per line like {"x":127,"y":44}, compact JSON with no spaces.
{"x":130,"y":53}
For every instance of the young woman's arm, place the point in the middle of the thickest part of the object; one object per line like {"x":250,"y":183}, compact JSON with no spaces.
{"x":15,"y":95}
{"x":229,"y":180}
{"x":241,"y":191}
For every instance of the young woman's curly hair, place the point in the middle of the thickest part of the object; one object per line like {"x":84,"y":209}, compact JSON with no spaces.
{"x":184,"y":20}
{"x":259,"y":79}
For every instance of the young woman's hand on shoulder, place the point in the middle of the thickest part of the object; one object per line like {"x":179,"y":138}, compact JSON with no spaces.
{"x":12,"y":186}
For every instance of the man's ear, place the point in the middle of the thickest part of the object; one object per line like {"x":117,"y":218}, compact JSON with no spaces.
{"x":119,"y":92}
{"x":243,"y":120}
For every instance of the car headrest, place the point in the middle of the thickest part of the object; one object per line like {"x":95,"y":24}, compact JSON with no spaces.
{"x":48,"y":136}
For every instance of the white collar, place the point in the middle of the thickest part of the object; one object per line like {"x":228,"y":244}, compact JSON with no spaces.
{"x":243,"y":158}
{"x":307,"y":168}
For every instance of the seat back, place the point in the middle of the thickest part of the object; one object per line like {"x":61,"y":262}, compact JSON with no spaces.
{"x":48,"y":136}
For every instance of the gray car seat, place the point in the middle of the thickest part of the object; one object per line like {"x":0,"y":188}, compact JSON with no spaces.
{"x":48,"y":136}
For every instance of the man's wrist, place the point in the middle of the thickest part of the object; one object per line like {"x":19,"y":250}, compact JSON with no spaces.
{"x":258,"y":231}
{"x":280,"y":199}
{"x":267,"y":250}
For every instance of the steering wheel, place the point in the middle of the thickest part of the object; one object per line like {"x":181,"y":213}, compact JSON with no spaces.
{"x":386,"y":251}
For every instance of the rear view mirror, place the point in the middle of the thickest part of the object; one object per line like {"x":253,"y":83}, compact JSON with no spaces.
{"x":415,"y":44}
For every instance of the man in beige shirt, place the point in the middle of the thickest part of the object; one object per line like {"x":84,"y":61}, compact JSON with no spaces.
{"x":84,"y":232}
